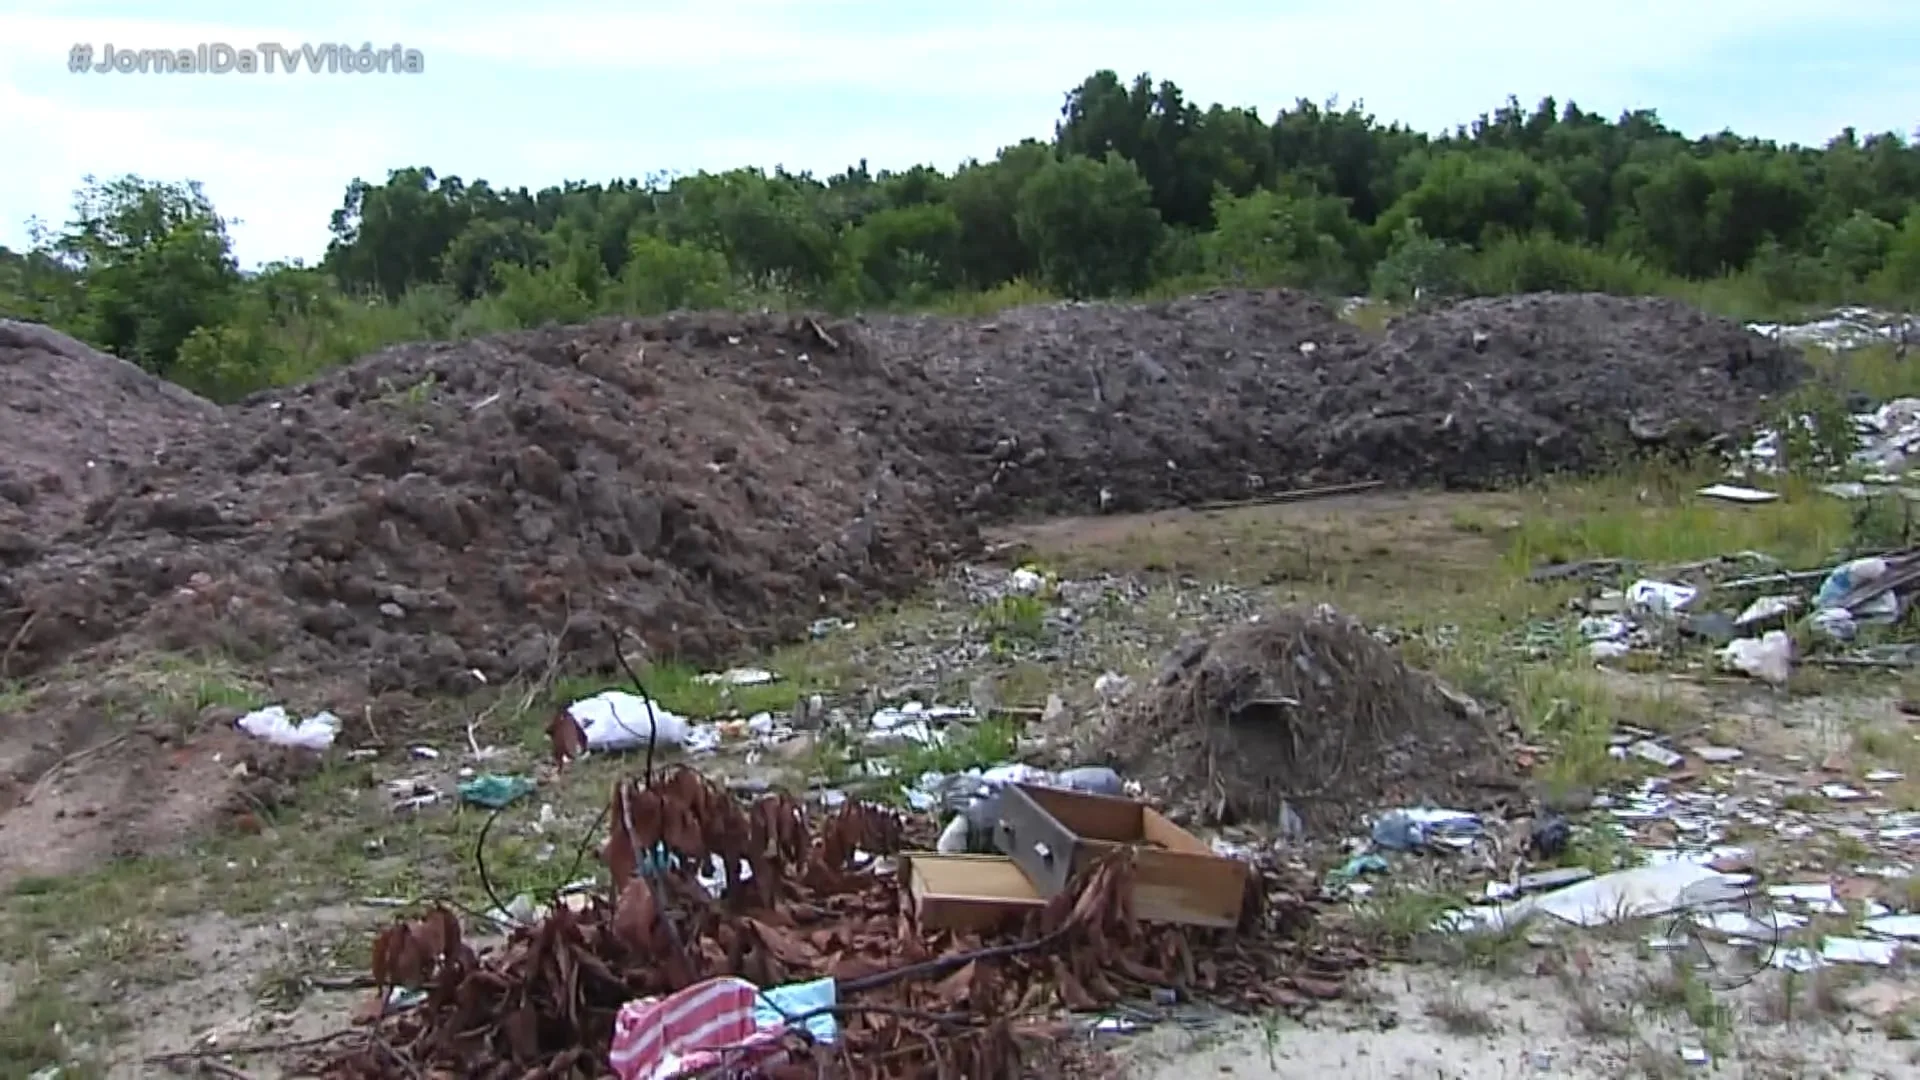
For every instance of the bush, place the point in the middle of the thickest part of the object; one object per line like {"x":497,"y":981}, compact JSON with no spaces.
{"x":1542,"y":263}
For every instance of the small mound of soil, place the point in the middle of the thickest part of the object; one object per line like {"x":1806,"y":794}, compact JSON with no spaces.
{"x":73,"y":422}
{"x":1310,"y":711}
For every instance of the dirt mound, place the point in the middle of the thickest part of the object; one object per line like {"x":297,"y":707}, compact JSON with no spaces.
{"x":73,"y":423}
{"x":713,"y":482}
{"x":1233,"y":392}
{"x":437,"y":510}
{"x":1309,"y":710}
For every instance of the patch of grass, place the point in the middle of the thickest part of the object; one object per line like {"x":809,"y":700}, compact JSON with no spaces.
{"x":1014,"y":618}
{"x":1458,"y":1016}
{"x":969,"y":746}
{"x":1395,"y":917}
{"x":1650,"y":515}
{"x":45,"y":1025}
{"x":1874,"y":371}
{"x":1679,"y":989}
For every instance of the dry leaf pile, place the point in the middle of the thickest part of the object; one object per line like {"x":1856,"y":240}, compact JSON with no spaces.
{"x":796,"y":905}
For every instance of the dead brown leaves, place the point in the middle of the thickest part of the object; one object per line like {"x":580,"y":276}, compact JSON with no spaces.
{"x":789,"y":903}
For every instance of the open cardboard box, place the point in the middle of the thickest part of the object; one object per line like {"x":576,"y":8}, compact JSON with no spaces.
{"x":1053,"y":834}
{"x":976,"y":893}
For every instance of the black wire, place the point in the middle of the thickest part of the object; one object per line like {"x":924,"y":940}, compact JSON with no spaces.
{"x":653,"y":722}
{"x":586,"y":838}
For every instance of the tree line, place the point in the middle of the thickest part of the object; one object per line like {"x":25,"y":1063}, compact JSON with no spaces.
{"x":1140,"y":193}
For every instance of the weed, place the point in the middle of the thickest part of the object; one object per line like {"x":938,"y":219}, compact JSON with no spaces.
{"x":1458,"y":1016}
{"x":1015,"y":618}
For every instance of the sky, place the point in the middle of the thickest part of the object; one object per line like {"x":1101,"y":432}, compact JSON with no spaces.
{"x":537,"y":94}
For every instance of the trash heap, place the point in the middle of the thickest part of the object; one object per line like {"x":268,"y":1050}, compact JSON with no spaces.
{"x":807,"y":946}
{"x":1303,"y":719}
{"x":1762,"y":621}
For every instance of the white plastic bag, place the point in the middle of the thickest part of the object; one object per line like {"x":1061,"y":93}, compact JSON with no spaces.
{"x":617,"y":720}
{"x":272,"y":724}
{"x":1768,"y":657}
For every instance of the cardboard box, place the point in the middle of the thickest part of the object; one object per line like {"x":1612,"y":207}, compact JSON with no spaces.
{"x":976,"y":893}
{"x":1053,"y":834}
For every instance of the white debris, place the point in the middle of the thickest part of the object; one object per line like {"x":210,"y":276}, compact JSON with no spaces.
{"x":272,"y":724}
{"x":616,"y":720}
{"x":1026,"y":581}
{"x":1841,"y":950}
{"x":739,"y":677}
{"x":1766,"y":609}
{"x":1660,"y":597}
{"x":1906,"y":927}
{"x":1733,"y":493}
{"x":1718,"y":755}
{"x":1648,"y":750}
{"x":1768,"y":658}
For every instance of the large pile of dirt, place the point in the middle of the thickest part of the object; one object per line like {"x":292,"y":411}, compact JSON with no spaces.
{"x":437,"y":510}
{"x":1231,"y":392}
{"x":73,"y":422}
{"x":1305,"y":711}
{"x":711,"y":482}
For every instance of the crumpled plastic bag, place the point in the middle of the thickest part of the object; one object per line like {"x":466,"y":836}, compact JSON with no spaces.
{"x":272,"y":724}
{"x":1768,"y":657}
{"x":617,"y":720}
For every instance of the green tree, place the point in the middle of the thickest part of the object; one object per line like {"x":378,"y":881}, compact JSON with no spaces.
{"x":1267,"y":238}
{"x":156,"y":262}
{"x":1091,"y":225}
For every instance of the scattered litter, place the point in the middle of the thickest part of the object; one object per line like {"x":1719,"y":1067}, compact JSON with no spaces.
{"x":1718,"y":755}
{"x":1659,"y":888}
{"x":1358,"y":865}
{"x":271,"y":724}
{"x":1766,"y":609}
{"x":1841,"y":950}
{"x":494,"y":791}
{"x":1412,"y":829}
{"x":1768,"y":658}
{"x":1884,"y":776}
{"x":1695,"y":1055}
{"x":914,"y":722}
{"x":1905,"y":927}
{"x":1798,"y":959}
{"x":1660,"y":597}
{"x":794,"y":999}
{"x":1841,"y":792}
{"x":616,"y":720}
{"x":1734,"y":493}
{"x":739,"y":677}
{"x":1648,"y":750}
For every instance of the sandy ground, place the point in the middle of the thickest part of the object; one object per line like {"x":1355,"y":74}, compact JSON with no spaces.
{"x":1427,"y":1024}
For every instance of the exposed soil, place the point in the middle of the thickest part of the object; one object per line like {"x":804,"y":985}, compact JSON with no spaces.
{"x":437,"y":516}
{"x":1231,"y":393}
{"x":73,"y":423}
{"x":1304,"y":712}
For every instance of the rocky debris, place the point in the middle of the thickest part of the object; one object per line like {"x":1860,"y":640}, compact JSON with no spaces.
{"x":436,"y":516}
{"x":1307,"y":714}
{"x":73,"y":422}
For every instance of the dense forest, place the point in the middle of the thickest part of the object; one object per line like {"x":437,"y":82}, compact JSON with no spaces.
{"x":1139,"y":194}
